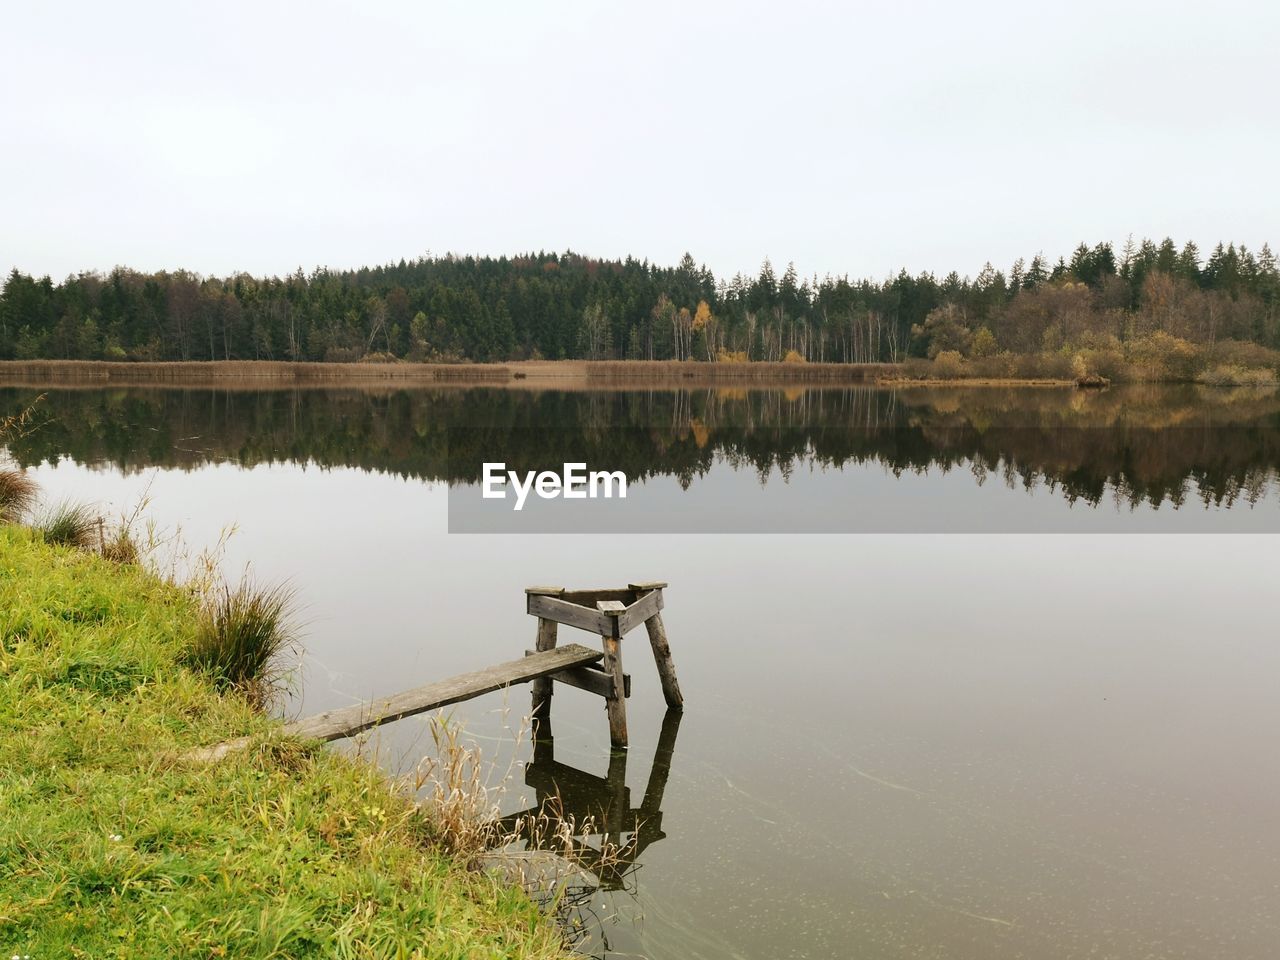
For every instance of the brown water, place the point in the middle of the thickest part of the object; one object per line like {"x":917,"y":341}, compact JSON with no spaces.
{"x":961,"y":746}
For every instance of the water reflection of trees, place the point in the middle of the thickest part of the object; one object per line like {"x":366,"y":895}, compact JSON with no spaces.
{"x":1139,"y":444}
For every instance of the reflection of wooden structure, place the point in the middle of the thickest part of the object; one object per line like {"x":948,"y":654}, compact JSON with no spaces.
{"x":607,"y":613}
{"x":611,"y":614}
{"x":564,"y":791}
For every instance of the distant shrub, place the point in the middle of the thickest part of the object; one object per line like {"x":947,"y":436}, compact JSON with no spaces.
{"x":948,"y":365}
{"x":983,"y":344}
{"x":1160,"y":356}
{"x":998,"y":367}
{"x":1107,"y":362}
{"x":1233,"y":375}
{"x":1242,"y":353}
{"x":735,"y":356}
{"x":793,"y":357}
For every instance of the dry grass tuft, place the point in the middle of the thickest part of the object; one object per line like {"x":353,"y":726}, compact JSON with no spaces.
{"x":18,"y":494}
{"x":460,"y":806}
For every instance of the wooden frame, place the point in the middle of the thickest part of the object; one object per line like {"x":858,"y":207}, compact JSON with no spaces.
{"x":610,"y":613}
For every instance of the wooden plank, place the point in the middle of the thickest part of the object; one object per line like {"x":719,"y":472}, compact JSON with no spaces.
{"x":347,"y":721}
{"x":545,"y":591}
{"x":644,"y":585}
{"x":611,"y":608}
{"x":570,"y":614}
{"x":590,"y":679}
{"x":589,"y":598}
{"x":639,"y":612}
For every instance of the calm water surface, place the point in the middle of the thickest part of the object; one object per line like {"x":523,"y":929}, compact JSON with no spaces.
{"x":960,"y":746}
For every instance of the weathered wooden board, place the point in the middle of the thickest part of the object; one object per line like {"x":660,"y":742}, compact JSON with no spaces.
{"x":570,"y":614}
{"x":592,"y":679}
{"x":640,"y":611}
{"x":589,"y":598}
{"x":348,"y":721}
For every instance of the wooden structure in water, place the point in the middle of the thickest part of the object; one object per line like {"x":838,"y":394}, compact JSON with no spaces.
{"x":610,"y":614}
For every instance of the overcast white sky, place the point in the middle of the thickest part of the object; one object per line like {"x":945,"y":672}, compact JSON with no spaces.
{"x":846,"y":137}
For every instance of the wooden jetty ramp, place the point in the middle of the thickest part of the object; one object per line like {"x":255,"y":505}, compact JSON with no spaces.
{"x":608,"y":613}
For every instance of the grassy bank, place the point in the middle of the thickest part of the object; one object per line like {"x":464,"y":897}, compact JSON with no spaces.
{"x":113,"y":847}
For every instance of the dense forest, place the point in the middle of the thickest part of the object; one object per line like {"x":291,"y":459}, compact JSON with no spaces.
{"x":548,"y":306}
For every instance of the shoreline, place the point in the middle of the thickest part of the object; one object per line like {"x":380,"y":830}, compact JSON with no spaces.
{"x":518,"y":375}
{"x":275,"y":843}
{"x":529,"y":375}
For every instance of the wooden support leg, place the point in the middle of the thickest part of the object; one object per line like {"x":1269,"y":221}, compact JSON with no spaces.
{"x":616,"y":704}
{"x":542,"y":687}
{"x":540,"y":711}
{"x":662,"y":657}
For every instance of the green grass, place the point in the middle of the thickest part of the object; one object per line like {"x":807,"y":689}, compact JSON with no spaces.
{"x":112,"y":846}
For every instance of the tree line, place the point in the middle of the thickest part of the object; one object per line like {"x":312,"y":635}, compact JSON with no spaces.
{"x":567,"y":306}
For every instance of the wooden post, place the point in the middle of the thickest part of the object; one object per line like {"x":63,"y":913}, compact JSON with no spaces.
{"x":540,"y":711}
{"x":616,"y":703}
{"x":661,"y":650}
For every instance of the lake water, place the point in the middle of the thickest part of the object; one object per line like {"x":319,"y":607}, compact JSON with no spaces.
{"x":981,"y":740}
